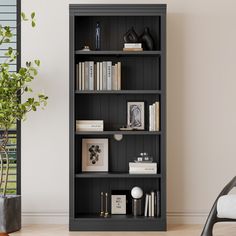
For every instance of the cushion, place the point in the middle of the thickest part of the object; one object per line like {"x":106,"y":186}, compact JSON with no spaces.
{"x":226,"y":206}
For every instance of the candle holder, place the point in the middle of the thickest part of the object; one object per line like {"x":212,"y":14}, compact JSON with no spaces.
{"x":106,"y":205}
{"x":102,"y":204}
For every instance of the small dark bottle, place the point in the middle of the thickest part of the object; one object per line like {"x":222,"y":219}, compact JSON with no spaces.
{"x":98,"y":36}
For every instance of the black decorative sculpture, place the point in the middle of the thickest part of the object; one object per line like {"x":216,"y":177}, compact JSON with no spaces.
{"x":98,"y":36}
{"x":130,"y":36}
{"x":147,"y":39}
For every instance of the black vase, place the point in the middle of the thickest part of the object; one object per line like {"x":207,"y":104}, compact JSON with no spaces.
{"x":130,"y":36}
{"x":147,"y":39}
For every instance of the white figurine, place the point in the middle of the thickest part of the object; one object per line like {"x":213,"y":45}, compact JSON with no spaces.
{"x":136,"y":192}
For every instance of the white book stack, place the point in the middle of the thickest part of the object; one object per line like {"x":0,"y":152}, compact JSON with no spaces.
{"x":142,"y":168}
{"x":154,"y":117}
{"x":152,"y":204}
{"x":89,"y":125}
{"x":92,"y":75}
{"x":133,"y":47}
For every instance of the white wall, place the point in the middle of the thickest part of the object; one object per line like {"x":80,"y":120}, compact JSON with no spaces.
{"x":201,"y":108}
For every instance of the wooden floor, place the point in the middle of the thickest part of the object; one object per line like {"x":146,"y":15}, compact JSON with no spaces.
{"x":173,"y":230}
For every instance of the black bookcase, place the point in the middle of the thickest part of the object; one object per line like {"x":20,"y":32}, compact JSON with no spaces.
{"x":143,"y":79}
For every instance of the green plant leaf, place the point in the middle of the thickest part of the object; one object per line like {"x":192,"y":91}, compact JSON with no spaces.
{"x":32,"y":15}
{"x":37,"y":62}
{"x":23,"y":16}
{"x":33,"y":23}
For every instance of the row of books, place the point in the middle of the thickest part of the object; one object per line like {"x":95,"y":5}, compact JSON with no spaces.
{"x":154,"y":116}
{"x":142,"y":168}
{"x":89,"y":125}
{"x":152,"y":204}
{"x":92,"y":75}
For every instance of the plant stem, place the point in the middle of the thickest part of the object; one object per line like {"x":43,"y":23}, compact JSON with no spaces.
{"x":6,"y":172}
{"x":3,"y":149}
{"x":1,"y":169}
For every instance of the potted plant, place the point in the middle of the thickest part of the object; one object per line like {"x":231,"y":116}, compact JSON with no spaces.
{"x":12,"y":86}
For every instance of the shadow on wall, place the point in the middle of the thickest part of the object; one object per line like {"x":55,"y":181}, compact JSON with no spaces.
{"x":176,"y":90}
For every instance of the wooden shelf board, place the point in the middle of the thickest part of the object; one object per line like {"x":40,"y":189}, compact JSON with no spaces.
{"x":114,"y":217}
{"x":136,"y":132}
{"x":118,"y":92}
{"x":115,"y":175}
{"x":118,"y":53}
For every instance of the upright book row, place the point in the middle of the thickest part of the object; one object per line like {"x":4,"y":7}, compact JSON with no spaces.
{"x":152,"y":204}
{"x":154,"y":113}
{"x":92,"y":75}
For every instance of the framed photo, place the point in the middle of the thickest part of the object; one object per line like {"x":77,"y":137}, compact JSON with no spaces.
{"x":94,"y":155}
{"x":120,"y":202}
{"x":135,"y":115}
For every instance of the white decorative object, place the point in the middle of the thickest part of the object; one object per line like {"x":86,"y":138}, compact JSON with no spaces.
{"x":136,"y":192}
{"x":118,"y":137}
{"x":118,"y":204}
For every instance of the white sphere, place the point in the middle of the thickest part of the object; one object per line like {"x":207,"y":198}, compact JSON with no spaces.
{"x":136,"y":192}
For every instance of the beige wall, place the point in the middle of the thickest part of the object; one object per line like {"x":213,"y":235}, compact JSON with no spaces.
{"x":201,"y":108}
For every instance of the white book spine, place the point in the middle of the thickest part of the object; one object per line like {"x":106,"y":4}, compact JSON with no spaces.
{"x":77,"y":77}
{"x":80,"y":76}
{"x":83,"y":81}
{"x":89,"y":126}
{"x":157,"y":203}
{"x":133,"y":45}
{"x":89,"y":122}
{"x":154,"y":116}
{"x":91,"y":75}
{"x":142,"y":164}
{"x":142,"y":168}
{"x":150,"y":118}
{"x":86,"y":75}
{"x":149,"y":205}
{"x":109,"y":75}
{"x":98,"y":76}
{"x":146,"y":206}
{"x":101,"y":75}
{"x":157,"y":106}
{"x":119,"y":76}
{"x":142,"y":172}
{"x":114,"y":77}
{"x":104,"y":71}
{"x":152,"y":197}
{"x":89,"y":129}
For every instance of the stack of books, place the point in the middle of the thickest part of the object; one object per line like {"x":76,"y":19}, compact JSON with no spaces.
{"x":154,"y":116}
{"x":142,"y":168}
{"x":92,"y":75}
{"x":132,"y":47}
{"x":89,"y":125}
{"x":152,"y":204}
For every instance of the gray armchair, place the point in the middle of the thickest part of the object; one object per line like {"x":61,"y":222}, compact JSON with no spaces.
{"x":212,"y":217}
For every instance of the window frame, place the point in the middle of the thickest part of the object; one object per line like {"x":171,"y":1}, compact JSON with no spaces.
{"x":18,"y":124}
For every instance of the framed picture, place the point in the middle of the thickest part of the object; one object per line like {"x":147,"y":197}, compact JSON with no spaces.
{"x":120,"y":202}
{"x":135,"y":115}
{"x":94,"y":155}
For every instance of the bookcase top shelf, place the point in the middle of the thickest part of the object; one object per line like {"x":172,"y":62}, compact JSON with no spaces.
{"x":118,"y":92}
{"x":135,"y":132}
{"x":115,"y":175}
{"x":119,"y":53}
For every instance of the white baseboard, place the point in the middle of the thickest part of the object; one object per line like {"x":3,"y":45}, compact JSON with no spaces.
{"x":186,"y":218}
{"x":63,"y":218}
{"x":44,"y":218}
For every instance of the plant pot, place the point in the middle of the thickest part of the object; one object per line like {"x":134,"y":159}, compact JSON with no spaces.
{"x":10,"y":213}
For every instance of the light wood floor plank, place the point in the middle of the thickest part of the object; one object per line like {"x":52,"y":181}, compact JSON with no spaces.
{"x":225,"y":229}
